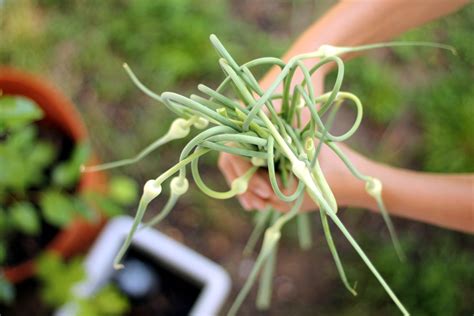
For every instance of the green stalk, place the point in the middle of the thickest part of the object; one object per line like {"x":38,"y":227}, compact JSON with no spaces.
{"x":144,"y":201}
{"x":272,"y":138}
{"x":304,"y":231}
{"x":273,"y":180}
{"x":270,"y":240}
{"x":315,"y":194}
{"x":220,"y":195}
{"x":164,"y":212}
{"x":261,"y":219}
{"x":264,"y":294}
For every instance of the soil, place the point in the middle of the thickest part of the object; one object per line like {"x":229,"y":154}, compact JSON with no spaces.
{"x":170,"y":292}
{"x":22,"y":247}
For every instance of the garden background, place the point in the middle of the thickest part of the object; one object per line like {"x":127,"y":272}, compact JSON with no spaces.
{"x":419,"y":114}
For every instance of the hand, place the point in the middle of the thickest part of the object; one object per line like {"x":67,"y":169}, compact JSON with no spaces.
{"x":260,"y":193}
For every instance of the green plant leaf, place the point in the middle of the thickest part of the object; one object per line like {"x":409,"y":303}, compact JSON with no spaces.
{"x":23,"y":159}
{"x":58,"y":278}
{"x":106,"y":205}
{"x":123,"y":190}
{"x":108,"y":301}
{"x":3,"y":251}
{"x":48,"y":263}
{"x":84,"y":209}
{"x":67,"y":173}
{"x":42,"y":154}
{"x":4,"y":221}
{"x":57,"y":208}
{"x":25,"y":218}
{"x":18,"y":111}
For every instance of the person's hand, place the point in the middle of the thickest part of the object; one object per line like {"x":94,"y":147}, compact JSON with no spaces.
{"x":260,"y":193}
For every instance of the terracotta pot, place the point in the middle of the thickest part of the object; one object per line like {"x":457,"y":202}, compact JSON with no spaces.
{"x":60,"y":112}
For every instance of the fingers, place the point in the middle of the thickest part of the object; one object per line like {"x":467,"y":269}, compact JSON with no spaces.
{"x":258,"y":189}
{"x":258,"y":184}
{"x":251,"y":201}
{"x":259,"y":194}
{"x":225,"y":165}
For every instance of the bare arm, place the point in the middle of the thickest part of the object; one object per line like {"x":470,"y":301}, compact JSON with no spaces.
{"x":352,"y":23}
{"x":445,"y":200}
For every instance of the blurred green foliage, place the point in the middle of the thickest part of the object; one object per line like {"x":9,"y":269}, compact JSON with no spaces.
{"x":59,"y":280}
{"x":123,"y":190}
{"x":82,"y":44}
{"x":436,"y":88}
{"x":433,"y":84}
{"x":17,"y":112}
{"x":38,"y":185}
{"x":445,"y":102}
{"x":447,"y":112}
{"x":25,"y":160}
{"x":376,"y":85}
{"x":434,"y":281}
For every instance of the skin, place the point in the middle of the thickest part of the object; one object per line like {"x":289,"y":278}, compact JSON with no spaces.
{"x":445,"y":200}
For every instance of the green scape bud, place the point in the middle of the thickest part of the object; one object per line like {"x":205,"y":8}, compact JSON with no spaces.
{"x":258,"y":162}
{"x":201,"y":123}
{"x":329,"y":50}
{"x":179,"y":128}
{"x":239,"y":185}
{"x":300,"y":103}
{"x":299,"y":169}
{"x":151,"y":190}
{"x":373,"y":187}
{"x":179,"y":186}
{"x":309,"y":144}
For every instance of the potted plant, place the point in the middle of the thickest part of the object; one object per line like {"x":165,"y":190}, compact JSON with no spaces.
{"x":45,"y":203}
{"x":161,"y":276}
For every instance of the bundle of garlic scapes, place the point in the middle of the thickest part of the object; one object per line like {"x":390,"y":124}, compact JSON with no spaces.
{"x":269,"y":139}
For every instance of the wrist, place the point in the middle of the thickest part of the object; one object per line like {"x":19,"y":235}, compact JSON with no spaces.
{"x":349,"y":190}
{"x":384,"y":173}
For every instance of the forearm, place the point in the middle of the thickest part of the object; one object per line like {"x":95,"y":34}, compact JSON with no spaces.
{"x":438,"y":199}
{"x":351,"y":23}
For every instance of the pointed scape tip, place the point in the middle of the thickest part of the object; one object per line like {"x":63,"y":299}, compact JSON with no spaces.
{"x":214,"y":40}
{"x":354,"y":292}
{"x":223,"y":61}
{"x":118,"y":266}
